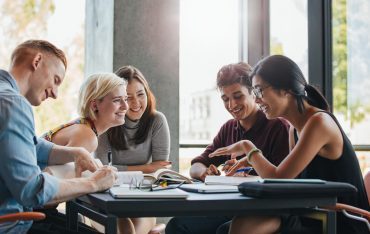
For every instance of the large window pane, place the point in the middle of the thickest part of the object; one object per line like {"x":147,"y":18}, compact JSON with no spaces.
{"x":209,"y":39}
{"x":288,"y":31}
{"x":351,"y":70}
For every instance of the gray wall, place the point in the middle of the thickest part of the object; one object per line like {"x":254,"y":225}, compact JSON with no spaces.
{"x":99,"y":36}
{"x":145,"y":34}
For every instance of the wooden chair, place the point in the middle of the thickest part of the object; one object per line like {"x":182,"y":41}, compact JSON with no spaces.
{"x":354,"y":212}
{"x":22,"y":216}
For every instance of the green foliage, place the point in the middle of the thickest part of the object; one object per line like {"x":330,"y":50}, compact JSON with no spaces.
{"x":354,"y":111}
{"x":340,"y":57}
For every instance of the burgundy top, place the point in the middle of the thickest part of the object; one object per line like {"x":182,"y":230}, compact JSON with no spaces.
{"x":270,"y":136}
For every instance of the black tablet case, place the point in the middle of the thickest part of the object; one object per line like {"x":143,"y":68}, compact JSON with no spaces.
{"x":295,"y":190}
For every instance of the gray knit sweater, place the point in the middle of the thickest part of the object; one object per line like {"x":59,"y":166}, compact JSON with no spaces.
{"x":155,"y":148}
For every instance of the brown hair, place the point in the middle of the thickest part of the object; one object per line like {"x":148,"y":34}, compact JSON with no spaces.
{"x":116,"y":135}
{"x":30,"y":46}
{"x":234,"y":73}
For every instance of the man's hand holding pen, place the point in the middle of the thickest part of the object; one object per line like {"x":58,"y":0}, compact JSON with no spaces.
{"x":211,"y":170}
{"x":228,"y":164}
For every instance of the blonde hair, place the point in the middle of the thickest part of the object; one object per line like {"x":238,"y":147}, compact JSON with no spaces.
{"x":96,"y":87}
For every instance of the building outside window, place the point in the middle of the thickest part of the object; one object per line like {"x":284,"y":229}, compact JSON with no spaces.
{"x":209,"y":39}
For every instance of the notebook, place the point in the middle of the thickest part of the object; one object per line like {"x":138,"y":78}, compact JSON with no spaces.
{"x":229,"y":180}
{"x":203,"y":188}
{"x":126,"y":192}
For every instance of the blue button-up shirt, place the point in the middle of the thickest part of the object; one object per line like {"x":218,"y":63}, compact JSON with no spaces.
{"x":22,"y":156}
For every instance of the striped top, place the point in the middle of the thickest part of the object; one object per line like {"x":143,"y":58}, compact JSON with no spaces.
{"x":49,"y":134}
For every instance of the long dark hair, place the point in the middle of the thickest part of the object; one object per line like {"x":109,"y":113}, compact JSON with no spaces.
{"x":117,"y":135}
{"x":283,"y":73}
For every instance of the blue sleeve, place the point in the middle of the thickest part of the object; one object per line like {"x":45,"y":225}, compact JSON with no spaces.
{"x":19,"y":170}
{"x":43,"y":148}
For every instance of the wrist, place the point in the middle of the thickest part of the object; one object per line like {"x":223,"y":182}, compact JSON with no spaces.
{"x":92,"y":185}
{"x":252,"y":152}
{"x":76,"y":152}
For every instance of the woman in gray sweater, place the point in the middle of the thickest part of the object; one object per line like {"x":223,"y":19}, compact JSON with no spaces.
{"x":142,"y":143}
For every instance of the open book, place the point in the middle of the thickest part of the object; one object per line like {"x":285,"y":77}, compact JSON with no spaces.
{"x":168,"y":175}
{"x":230,"y":180}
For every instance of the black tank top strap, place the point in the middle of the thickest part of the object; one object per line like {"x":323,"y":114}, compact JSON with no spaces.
{"x":295,"y":135}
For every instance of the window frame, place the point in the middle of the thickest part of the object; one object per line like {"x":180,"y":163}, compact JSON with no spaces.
{"x":254,"y":32}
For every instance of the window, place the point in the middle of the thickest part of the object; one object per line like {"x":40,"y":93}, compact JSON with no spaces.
{"x":288,"y":31}
{"x":20,"y":20}
{"x":351,"y":72}
{"x":209,"y":39}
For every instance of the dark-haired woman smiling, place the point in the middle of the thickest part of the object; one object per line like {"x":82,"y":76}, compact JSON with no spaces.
{"x":319,"y":147}
{"x":143,"y":142}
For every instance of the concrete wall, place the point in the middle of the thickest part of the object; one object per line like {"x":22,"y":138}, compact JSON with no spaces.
{"x":99,"y":25}
{"x":145,"y":34}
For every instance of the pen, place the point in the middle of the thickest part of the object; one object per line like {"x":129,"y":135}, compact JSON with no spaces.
{"x":244,"y":169}
{"x":109,"y":158}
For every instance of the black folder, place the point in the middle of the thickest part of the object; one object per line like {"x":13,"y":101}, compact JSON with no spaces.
{"x":290,"y":189}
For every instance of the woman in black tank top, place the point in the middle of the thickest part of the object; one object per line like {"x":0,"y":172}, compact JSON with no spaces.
{"x":319,"y":147}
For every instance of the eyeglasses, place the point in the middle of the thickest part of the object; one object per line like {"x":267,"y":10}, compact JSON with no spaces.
{"x":258,"y":91}
{"x":144,"y":184}
{"x":149,"y":185}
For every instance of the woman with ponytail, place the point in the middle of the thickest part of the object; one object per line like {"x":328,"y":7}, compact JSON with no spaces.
{"x":319,"y":149}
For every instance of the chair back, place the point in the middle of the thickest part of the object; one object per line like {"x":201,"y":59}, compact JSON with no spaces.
{"x":367,"y":184}
{"x":22,"y":216}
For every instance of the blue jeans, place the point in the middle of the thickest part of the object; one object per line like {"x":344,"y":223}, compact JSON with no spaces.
{"x":198,"y":225}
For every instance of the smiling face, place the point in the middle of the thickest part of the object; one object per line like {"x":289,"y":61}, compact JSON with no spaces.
{"x":272,"y":102}
{"x":112,"y":108}
{"x":238,"y":101}
{"x":48,"y":74}
{"x":137,"y":99}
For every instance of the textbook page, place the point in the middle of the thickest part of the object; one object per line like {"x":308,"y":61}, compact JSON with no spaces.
{"x":169,"y":175}
{"x":230,"y":180}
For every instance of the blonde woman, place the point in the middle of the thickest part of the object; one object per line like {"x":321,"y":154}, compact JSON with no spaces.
{"x":102,"y":104}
